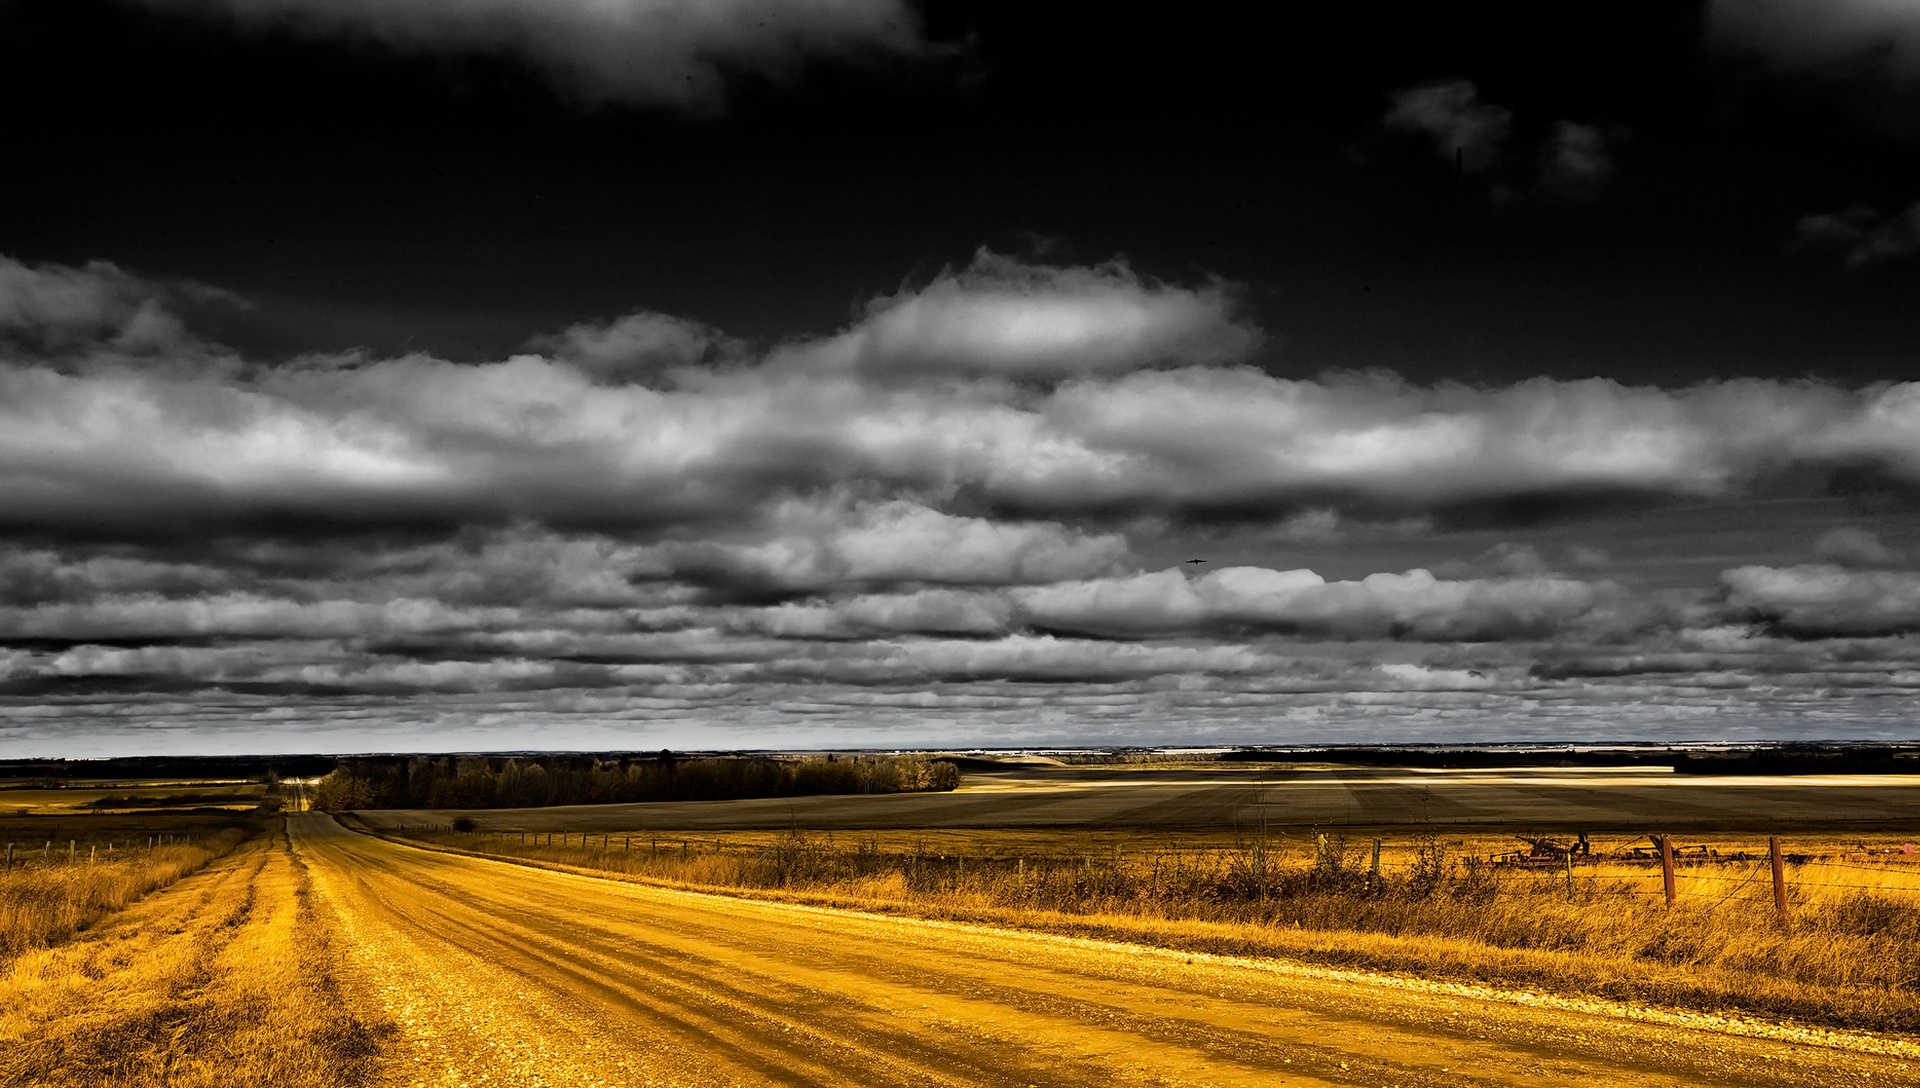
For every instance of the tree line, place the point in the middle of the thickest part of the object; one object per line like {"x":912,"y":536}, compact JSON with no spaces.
{"x":521,"y":782}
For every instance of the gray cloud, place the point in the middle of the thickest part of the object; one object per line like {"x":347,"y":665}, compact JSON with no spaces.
{"x":1822,"y":600}
{"x":638,"y":347}
{"x":1865,"y":34}
{"x":197,"y":439}
{"x":1576,"y":162}
{"x":1863,"y":235}
{"x":1854,"y":547}
{"x":999,"y":316}
{"x":668,"y":52}
{"x":1413,"y":605}
{"x":1462,"y":126}
{"x":642,"y":528}
{"x":54,"y":309}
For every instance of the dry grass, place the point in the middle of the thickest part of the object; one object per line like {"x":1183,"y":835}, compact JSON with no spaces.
{"x":226,"y":979}
{"x":45,"y":902}
{"x":1845,"y":958}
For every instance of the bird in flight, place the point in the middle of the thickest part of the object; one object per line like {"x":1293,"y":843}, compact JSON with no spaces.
{"x":1196,"y":560}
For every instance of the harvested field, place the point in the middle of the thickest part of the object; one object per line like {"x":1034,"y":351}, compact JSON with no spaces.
{"x":1626,"y":801}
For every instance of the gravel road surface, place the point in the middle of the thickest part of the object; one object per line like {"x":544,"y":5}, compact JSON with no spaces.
{"x":502,"y":974}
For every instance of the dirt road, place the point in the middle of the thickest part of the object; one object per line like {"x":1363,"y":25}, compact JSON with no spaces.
{"x":500,"y":974}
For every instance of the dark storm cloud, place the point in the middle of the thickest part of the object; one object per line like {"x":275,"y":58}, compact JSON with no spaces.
{"x":668,"y":52}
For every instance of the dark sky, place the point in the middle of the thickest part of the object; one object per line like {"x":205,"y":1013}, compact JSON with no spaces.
{"x":394,"y":373}
{"x":384,"y":196}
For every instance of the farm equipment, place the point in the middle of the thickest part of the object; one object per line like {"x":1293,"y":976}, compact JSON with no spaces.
{"x":1545,"y":853}
{"x":1651,"y":853}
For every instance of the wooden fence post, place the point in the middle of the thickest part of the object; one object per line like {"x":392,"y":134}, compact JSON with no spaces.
{"x":1666,"y":867}
{"x":1373,"y":874}
{"x":9,"y":857}
{"x":70,"y":851}
{"x":1779,"y":878}
{"x":1569,"y":876}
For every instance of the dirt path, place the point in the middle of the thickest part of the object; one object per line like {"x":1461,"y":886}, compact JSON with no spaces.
{"x":504,"y":974}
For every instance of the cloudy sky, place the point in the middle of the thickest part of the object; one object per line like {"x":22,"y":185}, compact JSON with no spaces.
{"x":504,"y":374}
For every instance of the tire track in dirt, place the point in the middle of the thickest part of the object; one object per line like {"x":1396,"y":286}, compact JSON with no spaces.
{"x":503,"y":973}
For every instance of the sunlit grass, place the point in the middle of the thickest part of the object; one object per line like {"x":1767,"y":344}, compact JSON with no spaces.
{"x":44,"y":902}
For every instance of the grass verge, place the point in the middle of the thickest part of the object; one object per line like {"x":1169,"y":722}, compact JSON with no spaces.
{"x":227,"y":979}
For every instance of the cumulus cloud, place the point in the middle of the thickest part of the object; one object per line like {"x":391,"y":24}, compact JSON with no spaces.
{"x":1882,"y":34}
{"x":1820,"y":600}
{"x":668,"y":52}
{"x":999,"y":316}
{"x":1862,"y":235}
{"x":59,"y":310}
{"x":637,"y":347}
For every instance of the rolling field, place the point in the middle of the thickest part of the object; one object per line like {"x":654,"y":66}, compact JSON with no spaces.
{"x":85,"y":798}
